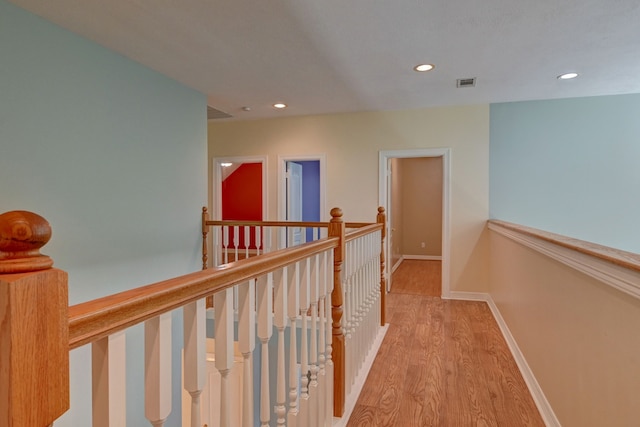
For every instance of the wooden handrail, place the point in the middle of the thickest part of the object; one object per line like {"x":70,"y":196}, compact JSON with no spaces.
{"x":618,"y":257}
{"x":99,"y":318}
{"x":363,"y":231}
{"x":267,"y":223}
{"x":22,"y":234}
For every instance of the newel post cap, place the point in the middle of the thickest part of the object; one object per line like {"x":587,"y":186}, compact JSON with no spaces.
{"x":22,"y":234}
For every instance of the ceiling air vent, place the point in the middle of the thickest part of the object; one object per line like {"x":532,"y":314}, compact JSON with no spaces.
{"x":213,"y":114}
{"x":470,"y":82}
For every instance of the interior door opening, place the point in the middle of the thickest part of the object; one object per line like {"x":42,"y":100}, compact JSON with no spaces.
{"x":301,"y":190}
{"x":414,"y":190}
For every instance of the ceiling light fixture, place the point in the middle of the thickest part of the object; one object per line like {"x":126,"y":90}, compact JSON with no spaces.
{"x":567,"y":76}
{"x":279,"y":105}
{"x":225,"y":165}
{"x":424,"y":67}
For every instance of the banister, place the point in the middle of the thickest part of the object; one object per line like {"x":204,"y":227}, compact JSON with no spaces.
{"x":362,"y":231}
{"x":268,"y":223}
{"x":66,"y":328}
{"x":96,"y":319}
{"x":614,"y":256}
{"x":34,"y":358}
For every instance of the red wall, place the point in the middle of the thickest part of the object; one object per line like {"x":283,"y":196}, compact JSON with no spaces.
{"x":242,"y":196}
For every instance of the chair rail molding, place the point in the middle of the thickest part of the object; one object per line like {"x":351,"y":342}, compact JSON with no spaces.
{"x":615,"y":268}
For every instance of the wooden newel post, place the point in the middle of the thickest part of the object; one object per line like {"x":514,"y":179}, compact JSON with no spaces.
{"x":337,"y":229}
{"x":382,"y":219}
{"x":34,"y":325}
{"x":205,"y":231}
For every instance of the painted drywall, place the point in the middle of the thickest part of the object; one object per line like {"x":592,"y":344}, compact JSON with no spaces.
{"x":569,"y":166}
{"x":352,"y":143}
{"x":578,"y":335}
{"x":310,"y":190}
{"x":422,"y":206}
{"x":113,"y":155}
{"x":242,"y":199}
{"x":310,"y":193}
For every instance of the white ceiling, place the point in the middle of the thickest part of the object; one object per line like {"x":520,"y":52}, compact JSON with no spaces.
{"x":327,"y":56}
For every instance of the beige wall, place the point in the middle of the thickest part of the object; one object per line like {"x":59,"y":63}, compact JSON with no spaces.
{"x":352,"y":143}
{"x":578,"y":335}
{"x":421,"y":205}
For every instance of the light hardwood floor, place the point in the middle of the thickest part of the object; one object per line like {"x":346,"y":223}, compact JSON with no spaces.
{"x":442,"y":363}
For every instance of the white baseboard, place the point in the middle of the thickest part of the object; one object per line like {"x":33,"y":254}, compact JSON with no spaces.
{"x":396,"y":265}
{"x":546,"y":412}
{"x":423,"y":257}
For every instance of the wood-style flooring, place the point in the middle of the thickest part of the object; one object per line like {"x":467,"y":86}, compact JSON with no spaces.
{"x":442,"y":363}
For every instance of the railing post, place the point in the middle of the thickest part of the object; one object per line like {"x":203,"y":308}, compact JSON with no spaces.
{"x":382,"y":219}
{"x":205,"y":231}
{"x":337,"y":229}
{"x":34,"y":325}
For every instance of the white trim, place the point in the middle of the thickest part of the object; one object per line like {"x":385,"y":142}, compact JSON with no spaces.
{"x":282,"y":206}
{"x":618,"y":277}
{"x":423,"y":257}
{"x":358,"y":384}
{"x":216,"y":188}
{"x":543,"y":405}
{"x":396,"y":265}
{"x":468,"y":296}
{"x":445,"y":153}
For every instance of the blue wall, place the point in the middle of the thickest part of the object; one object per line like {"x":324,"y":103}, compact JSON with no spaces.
{"x":310,"y":192}
{"x":114,"y":156}
{"x":569,"y":166}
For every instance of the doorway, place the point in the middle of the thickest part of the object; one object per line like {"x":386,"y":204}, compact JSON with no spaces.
{"x":301,"y":189}
{"x":387,"y":188}
{"x":239,"y":188}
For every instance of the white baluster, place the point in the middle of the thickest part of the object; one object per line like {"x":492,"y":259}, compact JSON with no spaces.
{"x":223,"y":317}
{"x":108,"y":360}
{"x":247,"y":343}
{"x":236,"y":241}
{"x":157,"y":362}
{"x":216,"y":246}
{"x":267,"y":240}
{"x":322,"y":380}
{"x":329,"y":332}
{"x":265,"y":330}
{"x":313,"y":359}
{"x":225,"y":243}
{"x":247,"y":240}
{"x":258,"y":239}
{"x":304,"y":347}
{"x":293,"y":310}
{"x":280,"y":321}
{"x":195,"y":353}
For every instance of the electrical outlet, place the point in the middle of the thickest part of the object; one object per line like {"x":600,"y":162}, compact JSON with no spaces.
{"x":422,"y":245}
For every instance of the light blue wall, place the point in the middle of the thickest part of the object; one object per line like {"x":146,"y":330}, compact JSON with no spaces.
{"x":114,"y":156}
{"x":569,"y":166}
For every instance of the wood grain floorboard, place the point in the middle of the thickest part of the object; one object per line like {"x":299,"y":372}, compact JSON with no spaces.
{"x":442,"y":363}
{"x":418,"y":277}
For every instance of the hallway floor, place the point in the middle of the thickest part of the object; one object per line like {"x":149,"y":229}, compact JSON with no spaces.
{"x":442,"y":363}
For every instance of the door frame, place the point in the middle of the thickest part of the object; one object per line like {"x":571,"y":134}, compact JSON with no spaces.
{"x":282,"y":183}
{"x":384,"y":195}
{"x":216,"y":188}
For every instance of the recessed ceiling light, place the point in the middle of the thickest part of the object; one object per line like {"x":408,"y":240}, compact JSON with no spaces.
{"x":567,"y":76}
{"x":279,"y":105}
{"x":424,"y":67}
